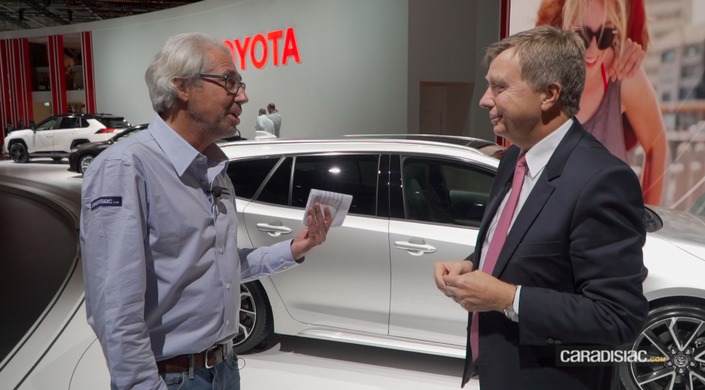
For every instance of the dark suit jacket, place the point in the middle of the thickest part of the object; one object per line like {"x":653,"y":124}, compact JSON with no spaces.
{"x":576,"y":250}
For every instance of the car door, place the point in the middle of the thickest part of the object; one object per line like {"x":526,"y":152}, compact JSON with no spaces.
{"x":343,"y":283}
{"x":443,"y":202}
{"x":68,"y":131}
{"x":44,"y":135}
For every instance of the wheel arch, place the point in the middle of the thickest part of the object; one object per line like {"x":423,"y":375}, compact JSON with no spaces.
{"x":677,"y":300}
{"x":79,"y":141}
{"x":14,"y":141}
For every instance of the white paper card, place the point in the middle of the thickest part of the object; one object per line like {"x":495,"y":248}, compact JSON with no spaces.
{"x":338,"y":203}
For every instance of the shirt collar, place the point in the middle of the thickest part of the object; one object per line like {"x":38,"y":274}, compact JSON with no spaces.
{"x":537,"y":157}
{"x":179,"y":152}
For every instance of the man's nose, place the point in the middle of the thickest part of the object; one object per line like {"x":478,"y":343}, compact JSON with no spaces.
{"x":486,"y":100}
{"x":241,"y":96}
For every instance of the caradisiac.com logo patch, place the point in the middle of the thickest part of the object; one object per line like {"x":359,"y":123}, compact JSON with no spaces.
{"x":107,"y":201}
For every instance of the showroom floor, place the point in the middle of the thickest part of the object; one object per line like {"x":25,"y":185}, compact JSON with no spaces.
{"x":305,"y":364}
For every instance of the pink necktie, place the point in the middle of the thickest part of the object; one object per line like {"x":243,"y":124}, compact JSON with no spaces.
{"x":500,"y":235}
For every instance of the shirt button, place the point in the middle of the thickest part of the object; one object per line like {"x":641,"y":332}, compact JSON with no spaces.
{"x":227,"y":286}
{"x":227,"y":322}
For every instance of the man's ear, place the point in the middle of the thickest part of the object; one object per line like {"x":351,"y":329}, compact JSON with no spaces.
{"x":181,"y":88}
{"x":551,"y":96}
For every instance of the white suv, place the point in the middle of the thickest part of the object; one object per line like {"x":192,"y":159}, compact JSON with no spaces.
{"x":57,"y":135}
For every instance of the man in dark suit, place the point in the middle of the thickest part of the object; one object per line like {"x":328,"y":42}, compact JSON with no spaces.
{"x":569,"y":272}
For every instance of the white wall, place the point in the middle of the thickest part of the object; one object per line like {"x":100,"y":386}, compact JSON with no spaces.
{"x":447,"y":39}
{"x":362,"y":61}
{"x":352,"y":73}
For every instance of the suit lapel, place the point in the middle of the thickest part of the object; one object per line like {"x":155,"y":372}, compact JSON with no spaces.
{"x":538,"y":197}
{"x":499,"y":189}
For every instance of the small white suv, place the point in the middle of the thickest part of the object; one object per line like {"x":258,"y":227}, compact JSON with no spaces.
{"x":55,"y":136}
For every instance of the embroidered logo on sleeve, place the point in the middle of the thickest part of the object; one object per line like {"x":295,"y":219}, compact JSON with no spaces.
{"x":107,"y":201}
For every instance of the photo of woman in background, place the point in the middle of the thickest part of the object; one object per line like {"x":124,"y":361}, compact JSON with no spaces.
{"x":619,"y":105}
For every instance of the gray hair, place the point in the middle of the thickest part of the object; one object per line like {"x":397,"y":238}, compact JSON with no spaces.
{"x":183,"y":56}
{"x":548,"y":55}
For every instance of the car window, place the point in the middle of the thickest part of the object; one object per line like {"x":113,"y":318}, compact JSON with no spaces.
{"x":247,"y":175}
{"x":444,"y":191}
{"x":48,"y":124}
{"x":84,"y":122}
{"x":276,"y":190}
{"x":69,"y":123}
{"x":349,"y":174}
{"x":115,"y":122}
{"x":698,"y":208}
{"x":355,"y":175}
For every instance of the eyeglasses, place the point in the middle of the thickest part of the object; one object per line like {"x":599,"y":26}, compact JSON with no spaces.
{"x":604,"y":36}
{"x":232,"y":85}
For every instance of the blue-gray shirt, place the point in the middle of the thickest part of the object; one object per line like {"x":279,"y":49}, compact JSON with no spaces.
{"x":160,"y":259}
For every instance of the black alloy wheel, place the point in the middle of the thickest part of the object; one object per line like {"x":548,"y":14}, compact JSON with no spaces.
{"x":673,"y":345}
{"x":255,"y":318}
{"x":18,"y":152}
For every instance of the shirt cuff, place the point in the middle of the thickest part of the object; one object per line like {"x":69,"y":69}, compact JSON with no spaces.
{"x":515,"y":304}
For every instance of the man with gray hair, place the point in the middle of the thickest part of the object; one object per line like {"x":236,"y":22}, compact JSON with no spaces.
{"x":558,"y":260}
{"x":159,"y":230}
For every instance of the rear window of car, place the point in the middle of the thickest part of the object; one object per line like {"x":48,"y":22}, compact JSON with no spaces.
{"x":247,"y":175}
{"x":444,"y":191}
{"x":349,"y":174}
{"x":115,"y":122}
{"x":354,"y":175}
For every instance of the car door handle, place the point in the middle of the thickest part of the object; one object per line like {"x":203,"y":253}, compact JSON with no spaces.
{"x":415,"y":247}
{"x":274,"y":229}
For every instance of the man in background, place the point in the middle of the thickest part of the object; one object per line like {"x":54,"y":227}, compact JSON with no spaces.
{"x":273,"y":114}
{"x":263,"y":122}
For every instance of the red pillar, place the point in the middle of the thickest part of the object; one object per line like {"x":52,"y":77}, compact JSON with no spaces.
{"x":15,"y":83}
{"x":57,"y":73}
{"x":88,"y":78}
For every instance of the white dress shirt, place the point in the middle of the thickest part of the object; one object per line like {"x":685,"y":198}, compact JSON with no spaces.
{"x":536,"y":159}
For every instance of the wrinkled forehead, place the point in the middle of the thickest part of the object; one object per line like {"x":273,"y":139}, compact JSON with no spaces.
{"x":219,"y":60}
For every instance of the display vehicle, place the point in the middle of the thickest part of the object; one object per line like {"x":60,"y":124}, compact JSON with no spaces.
{"x":56,"y":135}
{"x":83,"y":155}
{"x":415,"y":203}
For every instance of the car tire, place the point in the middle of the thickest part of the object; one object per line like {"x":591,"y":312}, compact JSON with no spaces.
{"x":84,"y":162}
{"x":676,"y":332}
{"x":18,"y":153}
{"x":255,"y":318}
